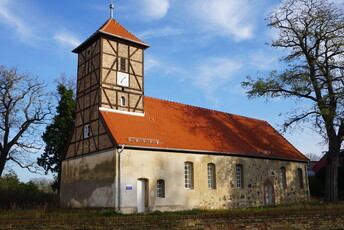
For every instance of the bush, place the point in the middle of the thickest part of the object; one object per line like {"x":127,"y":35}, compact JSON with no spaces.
{"x":21,"y":195}
{"x":316,"y":186}
{"x":317,"y":182}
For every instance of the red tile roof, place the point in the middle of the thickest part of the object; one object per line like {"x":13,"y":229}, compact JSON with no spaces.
{"x":171,"y":125}
{"x":113,"y":27}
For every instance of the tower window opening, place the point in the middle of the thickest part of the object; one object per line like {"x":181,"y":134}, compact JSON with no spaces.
{"x":122,"y":101}
{"x":87,"y":131}
{"x":123,"y":64}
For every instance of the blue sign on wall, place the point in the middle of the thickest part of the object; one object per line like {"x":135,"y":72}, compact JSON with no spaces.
{"x":128,"y":187}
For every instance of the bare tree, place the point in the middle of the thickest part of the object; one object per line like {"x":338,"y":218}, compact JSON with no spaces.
{"x":312,"y":33}
{"x":24,"y":105}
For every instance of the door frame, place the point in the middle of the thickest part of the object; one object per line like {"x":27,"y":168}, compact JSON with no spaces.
{"x":145,"y":182}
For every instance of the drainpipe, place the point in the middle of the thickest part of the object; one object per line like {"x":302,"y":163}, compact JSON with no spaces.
{"x":307,"y":181}
{"x":119,"y":178}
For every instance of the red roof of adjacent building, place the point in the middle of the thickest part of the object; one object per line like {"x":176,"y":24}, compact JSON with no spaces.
{"x":170,"y":125}
{"x":322,"y":162}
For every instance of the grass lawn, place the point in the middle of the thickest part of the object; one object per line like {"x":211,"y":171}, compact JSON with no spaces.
{"x":46,"y":212}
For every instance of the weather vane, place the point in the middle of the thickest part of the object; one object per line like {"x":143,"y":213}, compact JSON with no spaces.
{"x":112,"y":7}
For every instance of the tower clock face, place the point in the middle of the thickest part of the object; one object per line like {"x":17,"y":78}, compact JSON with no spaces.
{"x":123,"y":79}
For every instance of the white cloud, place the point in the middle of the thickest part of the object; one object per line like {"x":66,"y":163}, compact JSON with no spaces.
{"x":155,"y":9}
{"x":67,"y":39}
{"x":32,"y":29}
{"x":9,"y":17}
{"x":151,"y":63}
{"x":161,"y":32}
{"x":264,"y":60}
{"x":214,"y":73}
{"x":154,"y":65}
{"x":227,"y":17}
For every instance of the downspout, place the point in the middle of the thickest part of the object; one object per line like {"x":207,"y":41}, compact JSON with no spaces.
{"x":307,"y":181}
{"x":119,"y":178}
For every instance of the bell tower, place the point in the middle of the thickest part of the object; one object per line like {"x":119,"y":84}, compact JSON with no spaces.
{"x":115,"y":57}
{"x":121,"y":69}
{"x":110,"y":77}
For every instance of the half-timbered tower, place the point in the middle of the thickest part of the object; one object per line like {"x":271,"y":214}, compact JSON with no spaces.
{"x":138,"y":153}
{"x":110,"y":77}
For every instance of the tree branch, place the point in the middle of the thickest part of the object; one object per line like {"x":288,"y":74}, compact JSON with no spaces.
{"x":28,"y":167}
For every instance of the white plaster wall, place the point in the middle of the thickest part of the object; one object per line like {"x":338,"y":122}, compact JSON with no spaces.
{"x":169,"y":166}
{"x":89,"y":181}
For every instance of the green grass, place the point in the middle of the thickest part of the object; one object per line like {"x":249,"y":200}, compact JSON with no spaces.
{"x":46,"y":212}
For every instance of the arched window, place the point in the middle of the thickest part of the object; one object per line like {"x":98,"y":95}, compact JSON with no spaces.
{"x":160,"y":188}
{"x":239,"y":176}
{"x":283,"y":178}
{"x":211,"y":176}
{"x":122,"y":101}
{"x":300,"y":178}
{"x":188,"y":170}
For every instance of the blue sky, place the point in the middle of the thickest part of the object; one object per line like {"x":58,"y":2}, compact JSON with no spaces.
{"x":200,"y":50}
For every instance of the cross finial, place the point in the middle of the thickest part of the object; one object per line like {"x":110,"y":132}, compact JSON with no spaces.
{"x":112,"y":6}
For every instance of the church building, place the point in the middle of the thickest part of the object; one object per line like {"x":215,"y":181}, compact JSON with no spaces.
{"x":137,"y":153}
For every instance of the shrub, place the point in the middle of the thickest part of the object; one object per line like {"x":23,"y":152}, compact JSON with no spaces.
{"x":21,"y":195}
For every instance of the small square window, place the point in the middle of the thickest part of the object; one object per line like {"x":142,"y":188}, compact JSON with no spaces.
{"x":87,"y":131}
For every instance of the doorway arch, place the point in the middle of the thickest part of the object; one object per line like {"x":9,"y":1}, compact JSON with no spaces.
{"x":269,"y":192}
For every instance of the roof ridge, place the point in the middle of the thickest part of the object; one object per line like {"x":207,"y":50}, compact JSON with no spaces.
{"x":107,"y":23}
{"x":104,"y":24}
{"x":218,"y":111}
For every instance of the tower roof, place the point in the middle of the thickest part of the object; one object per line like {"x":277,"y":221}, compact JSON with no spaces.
{"x":112,"y":28}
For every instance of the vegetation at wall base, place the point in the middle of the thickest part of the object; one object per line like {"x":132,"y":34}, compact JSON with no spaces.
{"x":16,"y":195}
{"x":46,"y":211}
{"x":318,"y":181}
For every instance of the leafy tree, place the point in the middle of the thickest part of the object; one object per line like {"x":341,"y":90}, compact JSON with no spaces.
{"x":24,"y":105}
{"x":311,"y":32}
{"x":57,"y":133}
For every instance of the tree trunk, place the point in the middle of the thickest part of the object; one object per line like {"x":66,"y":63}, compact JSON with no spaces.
{"x":3,"y":157}
{"x":331,"y":184}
